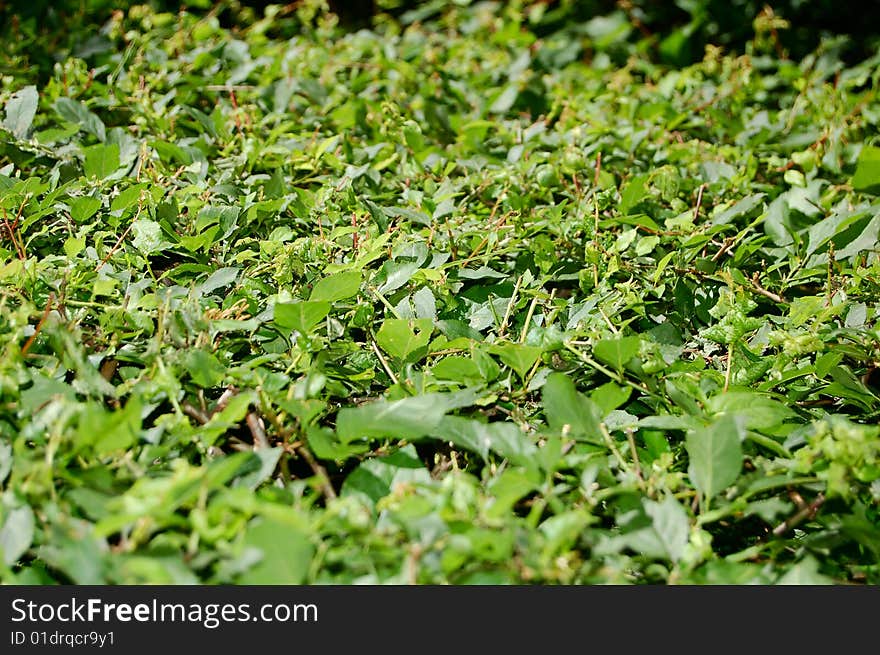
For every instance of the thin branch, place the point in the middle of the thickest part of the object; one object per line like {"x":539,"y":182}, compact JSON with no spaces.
{"x":728,"y":244}
{"x":258,"y":432}
{"x":10,"y":229}
{"x":503,"y":328}
{"x":609,"y":441}
{"x":224,"y":399}
{"x":699,"y":201}
{"x":121,"y":237}
{"x":757,"y":288}
{"x":805,"y":513}
{"x":27,"y":345}
{"x":302,"y":451}
{"x":529,"y":314}
{"x":630,"y":436}
{"x":384,"y":362}
{"x":195,"y":413}
{"x":729,"y":368}
{"x":319,"y":471}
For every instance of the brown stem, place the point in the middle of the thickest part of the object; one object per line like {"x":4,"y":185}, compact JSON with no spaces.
{"x":224,"y":399}
{"x":302,"y":451}
{"x":255,"y":425}
{"x":195,"y":413}
{"x":119,"y":240}
{"x":10,"y":229}
{"x":807,"y":512}
{"x":27,"y":345}
{"x":757,"y":288}
{"x":319,"y":471}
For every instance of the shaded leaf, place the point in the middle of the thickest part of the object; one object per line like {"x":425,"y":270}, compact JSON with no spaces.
{"x":715,"y":456}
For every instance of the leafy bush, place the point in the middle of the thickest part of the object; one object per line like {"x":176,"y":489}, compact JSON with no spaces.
{"x":459,"y":299}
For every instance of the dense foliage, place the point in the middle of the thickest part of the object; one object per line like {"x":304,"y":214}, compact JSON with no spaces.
{"x":464,"y":298}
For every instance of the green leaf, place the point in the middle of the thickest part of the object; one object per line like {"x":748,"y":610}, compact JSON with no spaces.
{"x":112,"y":431}
{"x":867,"y":175}
{"x":205,"y":369}
{"x":20,"y":111}
{"x":264,"y":461}
{"x":562,"y":531}
{"x":740,"y":208}
{"x":16,"y":534}
{"x":76,"y":553}
{"x":517,"y":356}
{"x":101,"y":160}
{"x":325,"y":445}
{"x":805,"y":572}
{"x":301,"y":317}
{"x":6,"y":460}
{"x":504,"y":439}
{"x":77,"y":113}
{"x":147,"y":236}
{"x":715,"y":456}
{"x":569,"y":411}
{"x":83,"y":208}
{"x":633,"y":192}
{"x":127,"y":198}
{"x":219,"y":279}
{"x":508,"y":488}
{"x":285,"y":553}
{"x":732,"y":327}
{"x":670,"y":521}
{"x":406,"y":340}
{"x":505,"y":99}
{"x":610,"y":396}
{"x":375,"y":478}
{"x":757,"y":411}
{"x":458,"y":369}
{"x":336,"y":287}
{"x":617,"y":352}
{"x":407,"y":418}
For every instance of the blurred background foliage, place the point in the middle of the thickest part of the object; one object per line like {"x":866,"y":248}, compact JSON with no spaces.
{"x":673,"y":33}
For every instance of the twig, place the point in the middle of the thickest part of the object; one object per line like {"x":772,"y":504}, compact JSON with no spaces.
{"x":495,"y":226}
{"x":699,"y":201}
{"x":115,"y":246}
{"x":611,"y":325}
{"x":728,"y":244}
{"x":319,"y":471}
{"x":195,"y":413}
{"x":10,"y":229}
{"x":108,"y":368}
{"x":235,"y":111}
{"x":609,"y":441}
{"x":503,"y":328}
{"x":806,"y":512}
{"x":300,"y":449}
{"x":122,"y":236}
{"x":354,"y":236}
{"x":757,"y":288}
{"x":224,"y":399}
{"x":258,"y":432}
{"x":729,"y":368}
{"x":618,"y":377}
{"x":384,"y":362}
{"x":529,"y":314}
{"x":630,"y":436}
{"x":412,"y":564}
{"x":27,"y":345}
